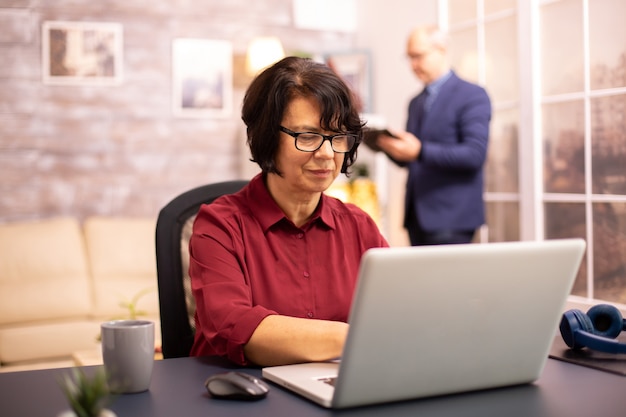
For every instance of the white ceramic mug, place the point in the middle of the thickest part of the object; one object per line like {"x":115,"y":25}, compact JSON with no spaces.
{"x":128,"y":354}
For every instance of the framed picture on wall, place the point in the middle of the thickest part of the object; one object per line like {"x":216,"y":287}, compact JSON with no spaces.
{"x":82,"y":53}
{"x":203,"y":78}
{"x":354,"y":68}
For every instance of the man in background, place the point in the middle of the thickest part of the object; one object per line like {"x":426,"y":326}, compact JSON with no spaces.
{"x":444,"y":147}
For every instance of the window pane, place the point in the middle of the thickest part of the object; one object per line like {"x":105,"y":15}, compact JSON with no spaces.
{"x":501,"y":170}
{"x":608,"y":138}
{"x":502,"y":64}
{"x":492,"y":6}
{"x":503,"y":221}
{"x":463,"y":52}
{"x":567,"y":220}
{"x":563,"y":147}
{"x":562,"y":47}
{"x":607,"y":47}
{"x":609,"y":251}
{"x":461,"y":11}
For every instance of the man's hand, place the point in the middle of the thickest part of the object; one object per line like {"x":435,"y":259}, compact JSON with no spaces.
{"x":405,"y":147}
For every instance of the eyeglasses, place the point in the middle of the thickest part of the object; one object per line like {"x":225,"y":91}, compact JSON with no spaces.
{"x":420,"y":55}
{"x":310,"y":142}
{"x":417,"y":56}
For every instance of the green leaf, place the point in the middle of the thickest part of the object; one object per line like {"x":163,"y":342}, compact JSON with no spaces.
{"x":87,"y":396}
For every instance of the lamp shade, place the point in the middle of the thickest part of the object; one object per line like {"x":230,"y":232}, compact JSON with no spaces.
{"x":263,"y":52}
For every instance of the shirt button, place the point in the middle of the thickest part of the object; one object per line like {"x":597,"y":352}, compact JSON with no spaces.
{"x":309,"y":314}
{"x":306,"y":274}
{"x":300,"y":235}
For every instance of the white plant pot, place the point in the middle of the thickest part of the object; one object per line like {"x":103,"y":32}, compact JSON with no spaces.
{"x":104,"y":413}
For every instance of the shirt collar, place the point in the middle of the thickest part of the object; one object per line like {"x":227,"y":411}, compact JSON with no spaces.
{"x":267,"y":212}
{"x":433,"y":87}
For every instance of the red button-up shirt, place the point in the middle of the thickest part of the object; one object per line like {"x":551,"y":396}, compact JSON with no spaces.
{"x":248,"y":261}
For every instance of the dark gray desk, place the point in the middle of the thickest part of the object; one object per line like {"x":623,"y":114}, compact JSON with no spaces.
{"x":564,"y":390}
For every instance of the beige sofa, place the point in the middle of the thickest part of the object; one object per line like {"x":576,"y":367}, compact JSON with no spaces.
{"x":59,"y":279}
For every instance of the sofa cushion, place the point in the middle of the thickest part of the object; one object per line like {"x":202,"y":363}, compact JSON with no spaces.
{"x":43,"y":271}
{"x":38,"y":364}
{"x":47,"y":340}
{"x":122,"y":259}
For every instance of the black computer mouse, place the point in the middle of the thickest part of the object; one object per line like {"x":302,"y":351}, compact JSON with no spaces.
{"x":236,"y":386}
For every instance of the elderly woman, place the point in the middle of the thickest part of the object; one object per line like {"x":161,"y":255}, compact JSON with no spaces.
{"x":274,"y":266}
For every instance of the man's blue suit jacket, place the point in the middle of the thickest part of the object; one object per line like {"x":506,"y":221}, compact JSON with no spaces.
{"x":445,"y":183}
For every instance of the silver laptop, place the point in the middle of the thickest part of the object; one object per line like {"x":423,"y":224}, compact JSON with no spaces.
{"x":436,"y":320}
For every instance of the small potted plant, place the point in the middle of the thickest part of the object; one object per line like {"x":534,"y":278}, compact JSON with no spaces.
{"x":131,"y":306}
{"x":87,"y":396}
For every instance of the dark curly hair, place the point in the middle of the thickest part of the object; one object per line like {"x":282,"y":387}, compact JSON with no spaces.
{"x":272,"y":90}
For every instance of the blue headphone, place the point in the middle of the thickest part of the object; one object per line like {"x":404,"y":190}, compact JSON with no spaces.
{"x":595,"y":330}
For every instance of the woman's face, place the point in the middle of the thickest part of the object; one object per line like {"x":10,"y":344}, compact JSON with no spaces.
{"x":311,"y":172}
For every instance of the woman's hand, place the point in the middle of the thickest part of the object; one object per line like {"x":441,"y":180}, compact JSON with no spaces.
{"x":281,"y":340}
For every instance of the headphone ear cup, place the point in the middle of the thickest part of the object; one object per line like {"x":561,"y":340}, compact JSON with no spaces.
{"x":574,"y":321}
{"x":606,"y":320}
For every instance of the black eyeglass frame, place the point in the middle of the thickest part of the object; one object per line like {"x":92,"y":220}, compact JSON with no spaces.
{"x":329,"y":138}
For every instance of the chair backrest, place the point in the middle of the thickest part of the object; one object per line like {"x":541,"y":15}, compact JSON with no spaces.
{"x":173,"y":230}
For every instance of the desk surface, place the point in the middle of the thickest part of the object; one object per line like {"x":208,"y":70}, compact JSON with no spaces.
{"x":564,"y":390}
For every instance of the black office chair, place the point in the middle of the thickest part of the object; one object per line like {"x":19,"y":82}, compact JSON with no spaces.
{"x":173,"y":231}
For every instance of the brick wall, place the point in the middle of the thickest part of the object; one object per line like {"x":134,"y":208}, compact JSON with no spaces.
{"x":119,"y":150}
